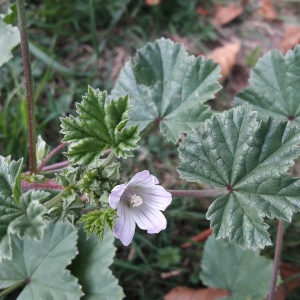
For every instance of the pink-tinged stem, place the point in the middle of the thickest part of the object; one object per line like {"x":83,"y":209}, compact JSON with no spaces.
{"x":56,"y":166}
{"x":50,"y":155}
{"x":48,"y":185}
{"x":198,"y":193}
{"x":28,"y":84}
{"x":276,"y":259}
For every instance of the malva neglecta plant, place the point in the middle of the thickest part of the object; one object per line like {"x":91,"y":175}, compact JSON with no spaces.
{"x":244,"y":154}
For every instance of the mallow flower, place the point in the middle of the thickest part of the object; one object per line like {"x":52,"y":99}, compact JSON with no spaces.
{"x":139,"y":201}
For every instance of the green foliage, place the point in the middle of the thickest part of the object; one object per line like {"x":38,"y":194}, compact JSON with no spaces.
{"x":21,"y":214}
{"x":91,"y":267}
{"x":11,"y":16}
{"x":41,"y":266}
{"x":96,"y":221}
{"x":168,"y":86}
{"x":168,"y":256}
{"x":274,"y":86}
{"x":245,"y":274}
{"x":42,"y":149}
{"x":10,"y":37}
{"x":98,"y":127}
{"x":250,"y":159}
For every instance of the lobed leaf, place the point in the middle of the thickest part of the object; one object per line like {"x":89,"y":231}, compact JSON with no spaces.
{"x":21,"y":214}
{"x":274,"y":86}
{"x":42,"y":265}
{"x":168,"y":86}
{"x":99,"y":126}
{"x":233,"y":150}
{"x":91,"y":267}
{"x":245,"y":274}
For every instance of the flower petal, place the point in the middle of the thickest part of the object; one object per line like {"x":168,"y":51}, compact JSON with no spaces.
{"x":115,"y":196}
{"x":155,"y":197}
{"x":125,"y":225}
{"x":143,"y":178}
{"x":149,"y":219}
{"x":155,"y":180}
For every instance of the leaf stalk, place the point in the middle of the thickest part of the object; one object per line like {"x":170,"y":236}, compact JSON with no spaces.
{"x":276,"y":259}
{"x":198,"y":193}
{"x":28,"y":85}
{"x":12,"y":288}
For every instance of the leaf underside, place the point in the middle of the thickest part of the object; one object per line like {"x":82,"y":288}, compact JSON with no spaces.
{"x":250,"y":159}
{"x":245,"y":274}
{"x":21,"y":214}
{"x":9,"y":37}
{"x":274,"y":86}
{"x":43,"y":265}
{"x":168,"y":86}
{"x":99,"y":126}
{"x":91,"y":267}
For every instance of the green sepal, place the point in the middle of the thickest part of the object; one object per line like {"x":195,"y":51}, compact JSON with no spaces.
{"x":42,"y":149}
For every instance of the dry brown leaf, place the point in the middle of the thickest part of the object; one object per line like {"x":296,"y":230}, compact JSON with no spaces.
{"x":202,"y":236}
{"x":202,"y":11}
{"x":291,"y":38}
{"x":267,"y":10}
{"x":152,"y":2}
{"x":184,"y":293}
{"x":226,"y":57}
{"x":226,"y":14}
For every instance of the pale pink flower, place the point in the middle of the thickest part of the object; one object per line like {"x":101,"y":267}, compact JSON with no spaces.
{"x":139,"y":201}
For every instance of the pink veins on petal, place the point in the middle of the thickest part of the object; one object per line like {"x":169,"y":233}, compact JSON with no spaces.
{"x":140,"y":202}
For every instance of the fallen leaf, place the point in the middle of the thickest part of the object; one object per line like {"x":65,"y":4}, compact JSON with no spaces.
{"x":152,"y":2}
{"x":291,"y":38}
{"x":202,"y":11}
{"x":226,"y":14}
{"x":226,"y":57}
{"x":184,"y":293}
{"x":202,"y":236}
{"x":267,"y":10}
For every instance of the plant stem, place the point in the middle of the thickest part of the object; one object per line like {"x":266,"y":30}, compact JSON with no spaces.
{"x":276,"y":259}
{"x":48,"y":185}
{"x":57,"y":165}
{"x":12,"y":288}
{"x":198,"y":193}
{"x":28,"y":84}
{"x":109,"y":159}
{"x":50,"y":155}
{"x":49,"y":204}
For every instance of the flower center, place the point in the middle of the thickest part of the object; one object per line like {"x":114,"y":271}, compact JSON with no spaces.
{"x":136,"y":200}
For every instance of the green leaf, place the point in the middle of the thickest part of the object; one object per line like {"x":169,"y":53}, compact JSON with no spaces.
{"x":91,"y":267}
{"x":274,"y":86}
{"x":12,"y":15}
{"x":95,"y":221}
{"x":99,"y":126}
{"x":21,"y":214}
{"x":42,"y":265}
{"x":245,"y":274}
{"x":250,"y":159}
{"x":9,"y":37}
{"x":42,"y":150}
{"x":168,"y":86}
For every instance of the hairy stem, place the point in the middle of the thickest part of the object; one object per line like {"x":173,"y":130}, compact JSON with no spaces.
{"x":198,"y":193}
{"x":276,"y":259}
{"x":29,"y":86}
{"x":56,"y":166}
{"x":48,"y":185}
{"x":12,"y":288}
{"x":49,"y":204}
{"x":50,"y":155}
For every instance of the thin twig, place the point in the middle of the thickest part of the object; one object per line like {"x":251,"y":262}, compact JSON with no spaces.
{"x":50,"y":155}
{"x":276,"y":259}
{"x":29,"y":86}
{"x":198,"y":193}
